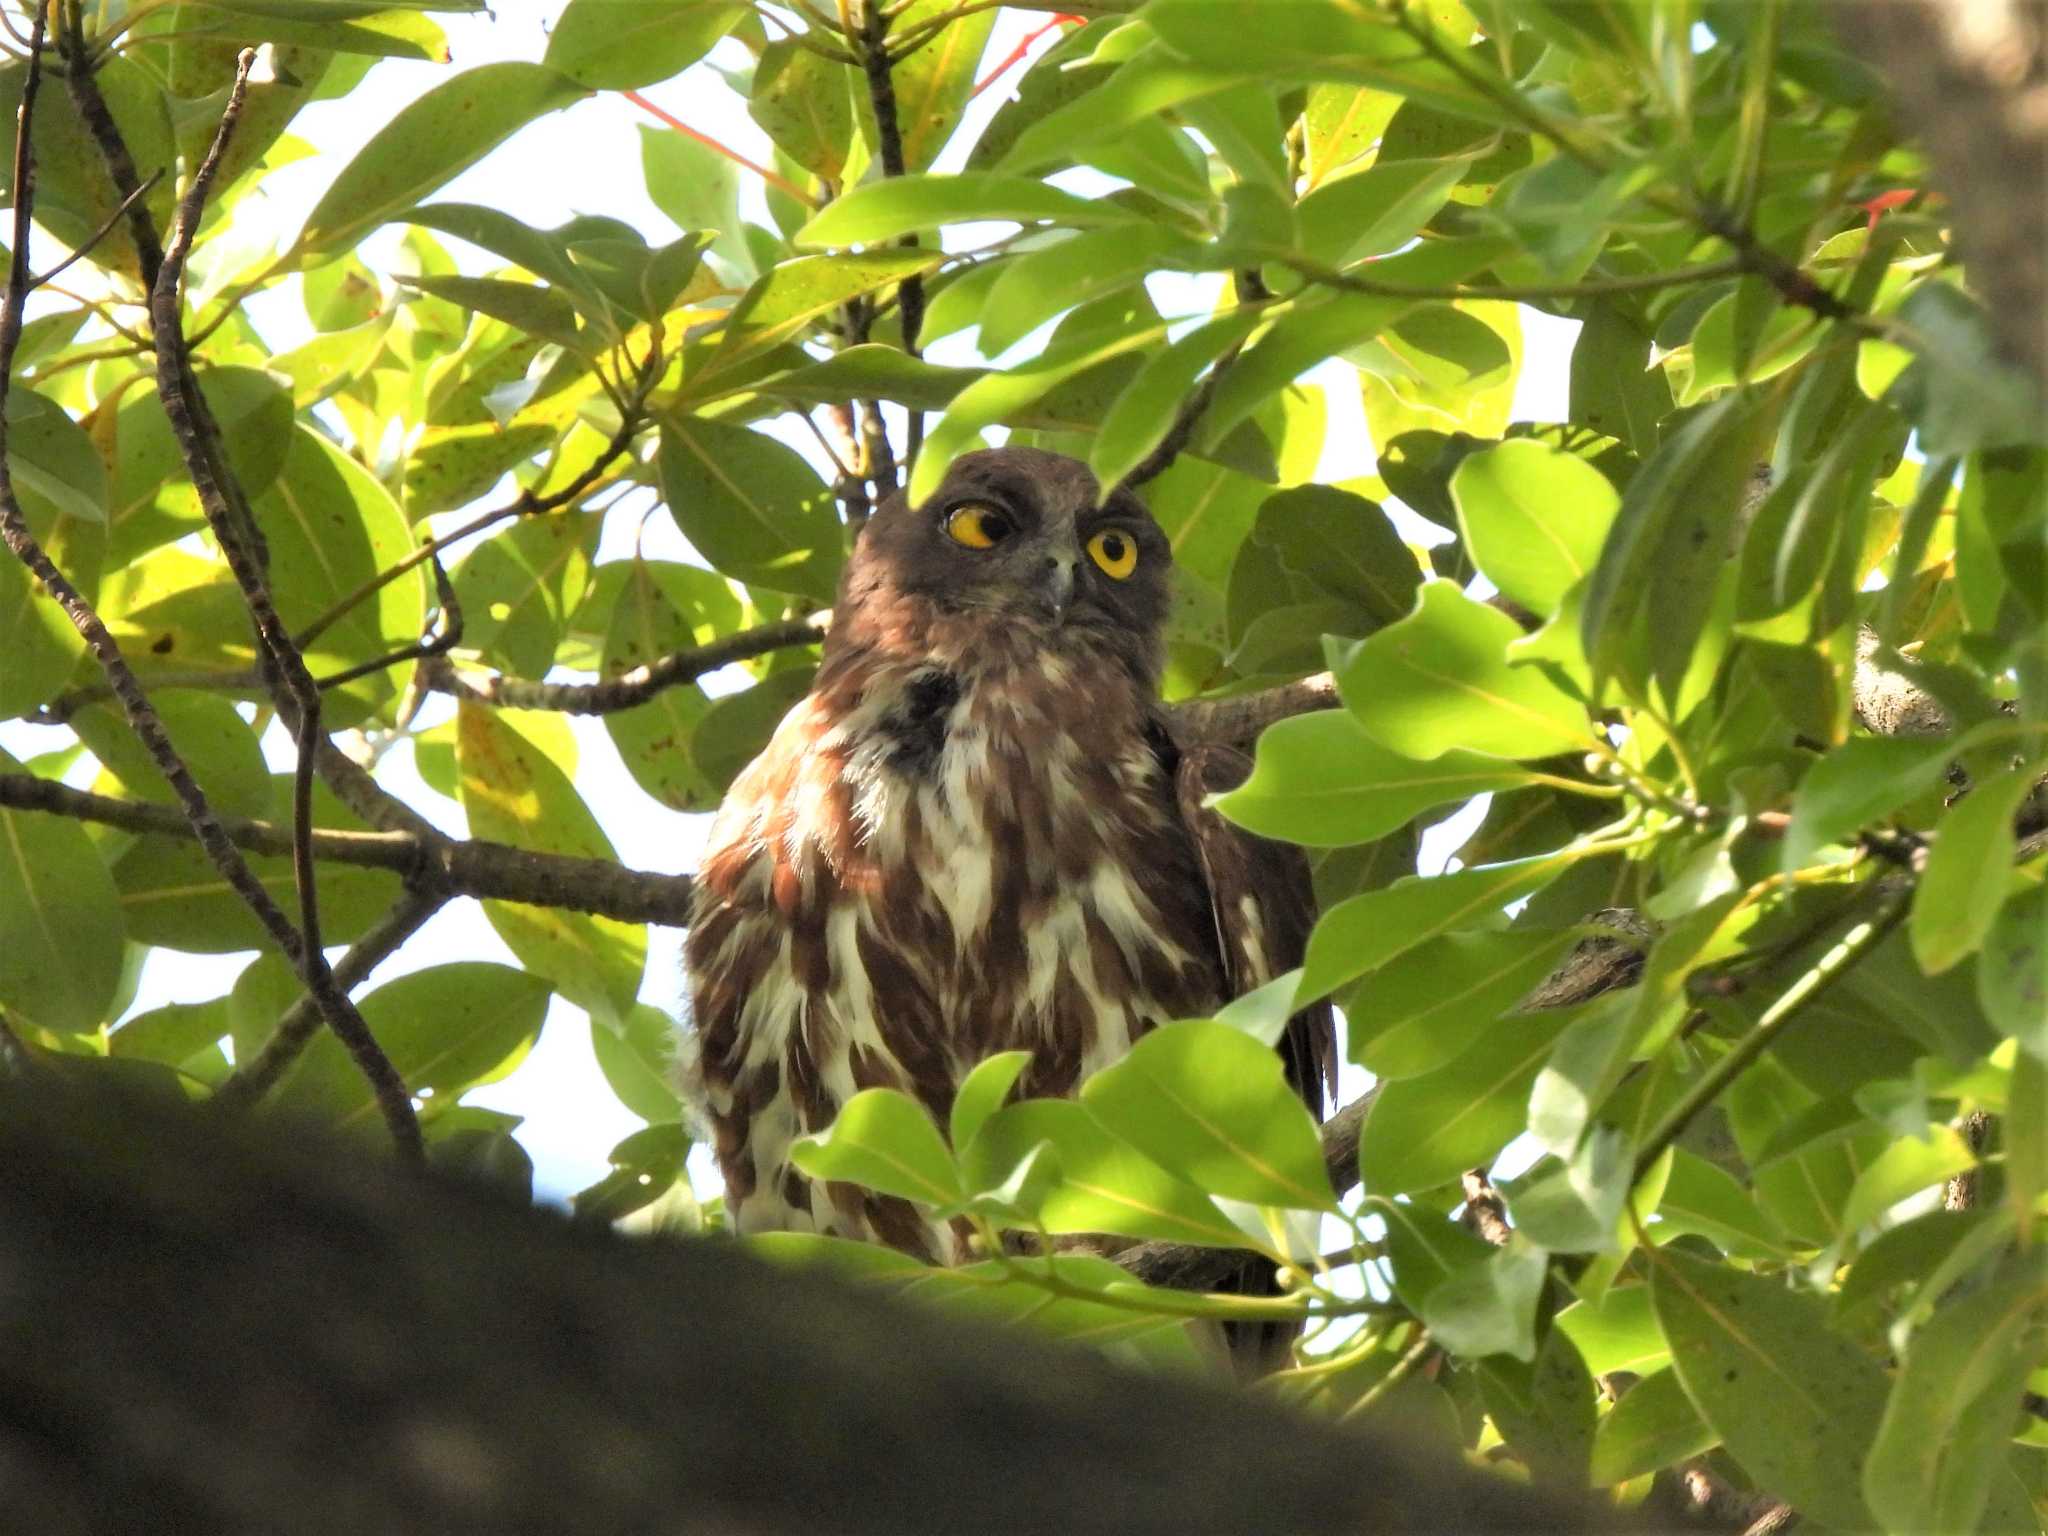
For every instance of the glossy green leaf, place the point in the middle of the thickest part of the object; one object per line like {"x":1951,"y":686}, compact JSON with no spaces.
{"x":518,"y":588}
{"x":1653,"y":1426}
{"x":796,"y":295}
{"x":1856,"y":786}
{"x":1704,"y":1198}
{"x":446,"y":1029}
{"x":885,"y":1141}
{"x":172,"y":895}
{"x":621,"y":45}
{"x":1440,"y":680}
{"x":217,"y":745}
{"x":982,"y":1092}
{"x":1418,"y":1012}
{"x":1106,"y":1184}
{"x":1364,"y":933}
{"x":1534,"y":518}
{"x":1214,"y":1105}
{"x":513,"y":794}
{"x":1376,"y":210}
{"x":1490,"y":1307}
{"x":1795,"y":1403}
{"x":637,"y":1057}
{"x":428,"y":143}
{"x":655,"y":738}
{"x":61,"y":485}
{"x":2012,"y":973}
{"x":1948,"y":1419}
{"x":804,"y":102}
{"x":1319,"y":779}
{"x":1904,"y":1168}
{"x":1545,"y":1409}
{"x":1617,"y":1333}
{"x":61,"y":928}
{"x":1429,"y":1129}
{"x":883,"y":210}
{"x":1960,"y":892}
{"x":751,"y":506}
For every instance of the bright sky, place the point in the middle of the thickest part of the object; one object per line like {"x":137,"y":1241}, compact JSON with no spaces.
{"x":587,"y":160}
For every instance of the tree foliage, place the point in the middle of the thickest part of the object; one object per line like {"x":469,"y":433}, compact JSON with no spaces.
{"x":1748,"y":652}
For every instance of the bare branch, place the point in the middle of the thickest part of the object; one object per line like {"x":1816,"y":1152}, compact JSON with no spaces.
{"x":463,"y":867}
{"x":292,"y":687}
{"x":1240,"y":717}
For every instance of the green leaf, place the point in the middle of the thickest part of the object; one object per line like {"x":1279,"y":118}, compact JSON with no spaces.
{"x":1653,"y":1426}
{"x":1671,"y":539}
{"x":1855,"y":786}
{"x":172,"y":895}
{"x":428,"y":143}
{"x":216,"y":743}
{"x":621,"y":45}
{"x":2012,"y":973}
{"x":751,"y":506}
{"x":446,"y":1029}
{"x":933,"y":84}
{"x":513,"y":794}
{"x":796,"y":295}
{"x":655,"y":738}
{"x":64,"y":501}
{"x":518,"y":588}
{"x":872,"y":371}
{"x":61,"y":929}
{"x":1374,"y":211}
{"x":1617,"y":1333}
{"x":1440,"y":680}
{"x":1613,"y":387}
{"x":804,"y":102}
{"x":884,"y":210}
{"x":1903,"y":1168}
{"x":1961,"y":889}
{"x":1426,"y":1130}
{"x":1417,"y":1013}
{"x":1106,"y":1184}
{"x":637,"y":1058}
{"x":1700,"y":1197}
{"x":540,"y":312}
{"x":982,"y":1093}
{"x":1360,"y":935}
{"x":1338,"y":545}
{"x":698,"y":188}
{"x":1545,"y":1409}
{"x":885,"y":1141}
{"x":1947,"y":1422}
{"x":1534,"y":518}
{"x":1795,"y":1403}
{"x":1320,"y":780}
{"x":332,"y":528}
{"x":1575,"y":1207}
{"x":646,"y":1165}
{"x":1214,"y":1104}
{"x":1489,"y":1308}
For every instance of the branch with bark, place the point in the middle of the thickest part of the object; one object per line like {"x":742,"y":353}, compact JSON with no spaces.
{"x":428,"y":1357}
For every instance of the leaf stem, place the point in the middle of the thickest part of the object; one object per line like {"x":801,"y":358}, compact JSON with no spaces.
{"x":1824,"y":973}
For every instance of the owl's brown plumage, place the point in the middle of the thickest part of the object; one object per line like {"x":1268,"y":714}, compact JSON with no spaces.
{"x":974,"y":835}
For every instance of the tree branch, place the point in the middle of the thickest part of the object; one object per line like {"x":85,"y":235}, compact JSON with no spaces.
{"x":461,"y":866}
{"x":429,"y":1358}
{"x":1972,"y":78}
{"x":292,"y":686}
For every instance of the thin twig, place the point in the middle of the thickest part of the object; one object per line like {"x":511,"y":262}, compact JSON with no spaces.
{"x":875,"y":61}
{"x":91,"y":241}
{"x":252,"y":1079}
{"x":1824,"y":973}
{"x":293,"y":688}
{"x":628,"y":688}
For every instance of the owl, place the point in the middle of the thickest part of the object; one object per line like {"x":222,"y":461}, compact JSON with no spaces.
{"x":975,"y":834}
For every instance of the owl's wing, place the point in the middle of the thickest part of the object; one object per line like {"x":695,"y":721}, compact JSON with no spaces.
{"x":1264,"y":907}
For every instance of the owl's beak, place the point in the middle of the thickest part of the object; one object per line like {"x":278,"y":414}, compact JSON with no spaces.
{"x":1056,"y":585}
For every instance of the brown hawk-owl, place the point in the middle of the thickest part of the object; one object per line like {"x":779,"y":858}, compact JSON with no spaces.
{"x":974,"y":835}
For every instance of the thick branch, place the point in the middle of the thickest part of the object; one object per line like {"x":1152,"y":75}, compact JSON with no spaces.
{"x":1972,"y":77}
{"x":462,"y":867}
{"x":402,"y":1355}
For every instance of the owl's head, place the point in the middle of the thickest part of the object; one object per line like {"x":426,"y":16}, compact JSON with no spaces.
{"x":1019,"y":545}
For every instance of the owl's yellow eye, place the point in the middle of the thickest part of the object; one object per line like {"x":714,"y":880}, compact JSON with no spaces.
{"x":977,"y":526}
{"x":1115,"y":553}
